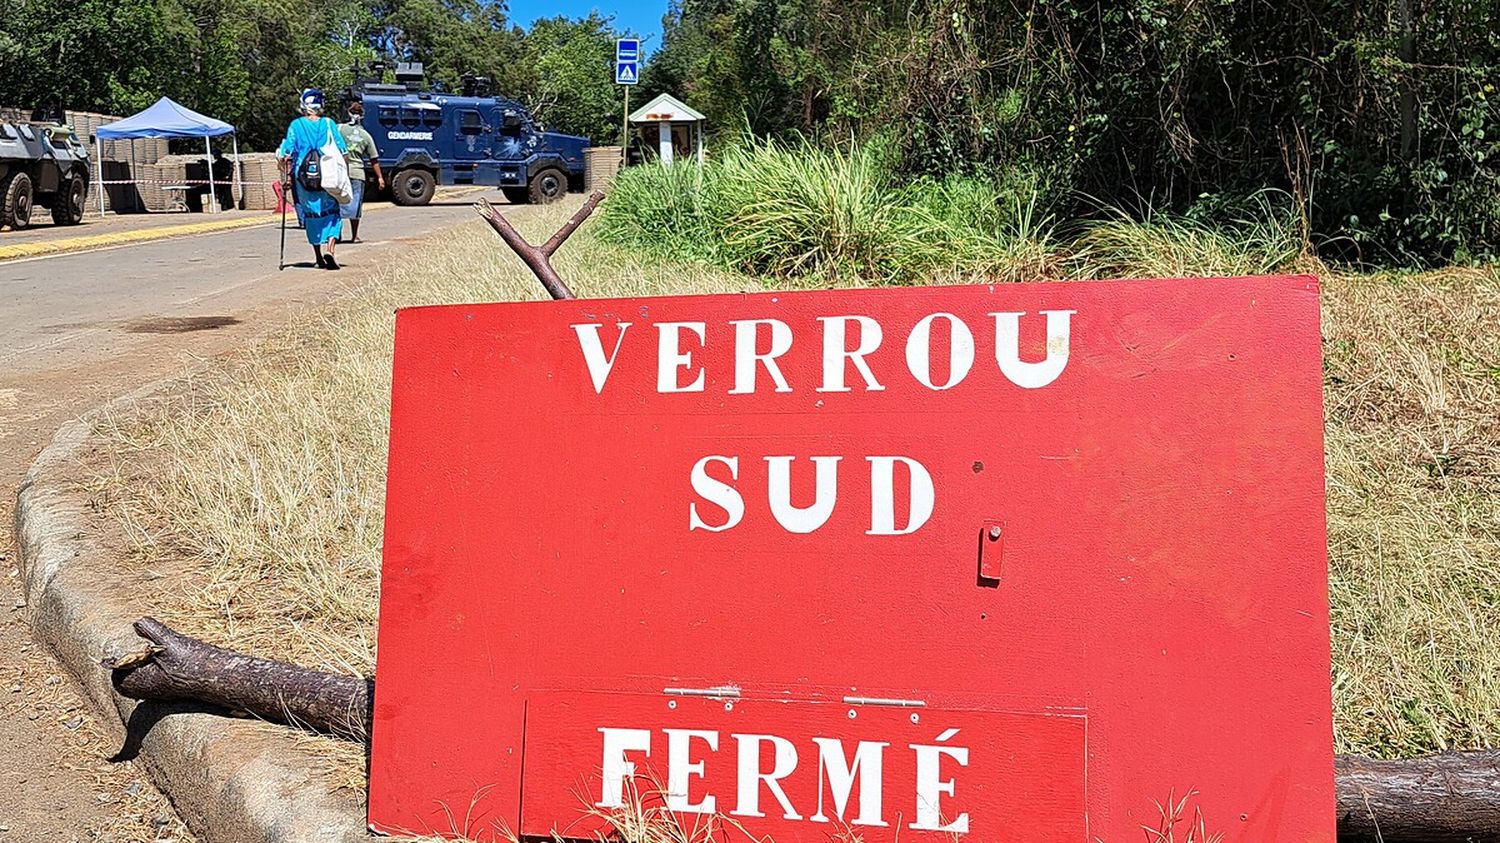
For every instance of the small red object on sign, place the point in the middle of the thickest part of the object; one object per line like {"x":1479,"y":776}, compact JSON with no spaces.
{"x":715,"y":558}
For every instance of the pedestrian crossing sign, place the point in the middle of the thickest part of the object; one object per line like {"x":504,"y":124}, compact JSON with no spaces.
{"x":627,"y":73}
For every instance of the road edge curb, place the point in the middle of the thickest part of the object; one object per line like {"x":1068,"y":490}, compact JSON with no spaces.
{"x":115,"y":239}
{"x":231,"y":780}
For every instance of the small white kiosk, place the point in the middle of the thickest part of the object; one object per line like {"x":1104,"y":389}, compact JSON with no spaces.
{"x":669,"y":125}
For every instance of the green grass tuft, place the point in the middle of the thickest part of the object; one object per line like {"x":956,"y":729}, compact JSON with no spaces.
{"x":805,"y":213}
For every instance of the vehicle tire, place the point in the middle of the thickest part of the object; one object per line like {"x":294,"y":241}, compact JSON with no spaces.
{"x":516,"y":195}
{"x":413,"y":186}
{"x":67,"y":206}
{"x":547,"y":187}
{"x":15,"y":201}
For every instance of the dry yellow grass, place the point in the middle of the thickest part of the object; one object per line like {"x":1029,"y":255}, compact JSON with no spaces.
{"x":266,"y":472}
{"x":1412,"y":407}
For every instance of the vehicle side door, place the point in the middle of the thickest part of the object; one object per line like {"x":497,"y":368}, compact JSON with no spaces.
{"x":474,"y":135}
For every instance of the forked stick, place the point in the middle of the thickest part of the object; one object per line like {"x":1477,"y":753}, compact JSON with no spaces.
{"x":539,"y":258}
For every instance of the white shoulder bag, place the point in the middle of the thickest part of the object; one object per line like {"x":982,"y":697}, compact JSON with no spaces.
{"x":335,"y":170}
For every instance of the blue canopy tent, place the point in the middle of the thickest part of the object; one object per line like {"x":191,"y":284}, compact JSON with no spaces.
{"x":167,"y":119}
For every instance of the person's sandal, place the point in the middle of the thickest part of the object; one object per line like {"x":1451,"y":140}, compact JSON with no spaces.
{"x":329,"y":262}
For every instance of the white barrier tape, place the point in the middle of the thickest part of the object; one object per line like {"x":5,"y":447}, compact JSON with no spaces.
{"x":186,"y":183}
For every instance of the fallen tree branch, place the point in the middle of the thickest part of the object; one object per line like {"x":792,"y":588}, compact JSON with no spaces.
{"x":177,"y":667}
{"x":539,"y":258}
{"x":1452,"y":797}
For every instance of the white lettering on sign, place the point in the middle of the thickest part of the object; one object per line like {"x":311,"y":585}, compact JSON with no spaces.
{"x":751,"y":776}
{"x":837,"y":355}
{"x":720,"y":494}
{"x":936,"y":787}
{"x":931,"y":785}
{"x":794,"y":519}
{"x":960,"y":351}
{"x":825,"y":493}
{"x":1008,"y":349}
{"x":838,"y":773}
{"x":426,"y":136}
{"x":676,"y":372}
{"x":883,"y":496}
{"x":670,"y":356}
{"x":616,"y":769}
{"x":745,"y":357}
{"x":593,"y":351}
{"x":679,"y":769}
{"x":836,"y":351}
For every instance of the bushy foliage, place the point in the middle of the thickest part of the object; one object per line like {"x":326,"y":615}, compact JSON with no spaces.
{"x":573,"y":86}
{"x":809,"y":212}
{"x":245,"y":61}
{"x":1379,"y":118}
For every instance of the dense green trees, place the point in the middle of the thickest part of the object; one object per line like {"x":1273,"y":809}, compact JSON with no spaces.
{"x":245,"y":60}
{"x":572,"y":83}
{"x":1377,"y":117}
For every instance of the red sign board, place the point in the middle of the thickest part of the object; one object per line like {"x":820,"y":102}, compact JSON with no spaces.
{"x":1013,"y":562}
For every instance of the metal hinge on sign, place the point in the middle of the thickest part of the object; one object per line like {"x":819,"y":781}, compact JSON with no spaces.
{"x":896,"y":703}
{"x":721,"y":692}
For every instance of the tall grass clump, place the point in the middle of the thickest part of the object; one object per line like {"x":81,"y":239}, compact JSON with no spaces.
{"x":1266,"y":238}
{"x":994,"y":230}
{"x":672,"y":211}
{"x":801,"y":212}
{"x":823,"y":213}
{"x":798,"y":211}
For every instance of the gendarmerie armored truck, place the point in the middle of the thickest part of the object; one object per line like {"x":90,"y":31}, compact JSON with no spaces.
{"x":429,"y":138}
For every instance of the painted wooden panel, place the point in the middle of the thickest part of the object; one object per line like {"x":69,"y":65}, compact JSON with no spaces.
{"x":792,"y":495}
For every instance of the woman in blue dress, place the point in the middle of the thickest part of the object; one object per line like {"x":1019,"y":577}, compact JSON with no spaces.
{"x":319,"y":211}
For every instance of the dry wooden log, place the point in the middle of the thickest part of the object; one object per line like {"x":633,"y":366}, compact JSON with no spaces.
{"x":177,"y":667}
{"x":539,"y":258}
{"x":1453,"y":797}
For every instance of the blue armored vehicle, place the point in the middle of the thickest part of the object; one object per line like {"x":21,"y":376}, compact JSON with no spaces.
{"x":429,"y":138}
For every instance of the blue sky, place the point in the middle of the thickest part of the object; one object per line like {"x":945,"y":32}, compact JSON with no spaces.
{"x":640,"y":16}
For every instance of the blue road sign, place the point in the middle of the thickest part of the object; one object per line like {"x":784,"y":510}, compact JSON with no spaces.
{"x":627,"y":73}
{"x":627,"y":49}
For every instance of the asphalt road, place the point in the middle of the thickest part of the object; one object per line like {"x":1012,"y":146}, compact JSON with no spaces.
{"x":75,"y":331}
{"x":67,"y":309}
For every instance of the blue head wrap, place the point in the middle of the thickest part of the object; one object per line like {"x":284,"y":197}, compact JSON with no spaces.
{"x":312,"y":100}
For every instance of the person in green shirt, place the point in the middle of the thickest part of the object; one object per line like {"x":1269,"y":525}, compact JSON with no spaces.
{"x":361,"y":148}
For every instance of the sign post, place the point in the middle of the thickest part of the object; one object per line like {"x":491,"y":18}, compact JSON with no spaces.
{"x":1021,"y":561}
{"x":627,"y":73}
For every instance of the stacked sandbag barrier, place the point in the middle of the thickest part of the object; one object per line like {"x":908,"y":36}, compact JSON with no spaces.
{"x":138,"y":173}
{"x":601,"y":163}
{"x":258,"y":175}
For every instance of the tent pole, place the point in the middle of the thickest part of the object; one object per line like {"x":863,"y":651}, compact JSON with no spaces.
{"x":99,"y":159}
{"x":238,"y":184}
{"x":213,"y":198}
